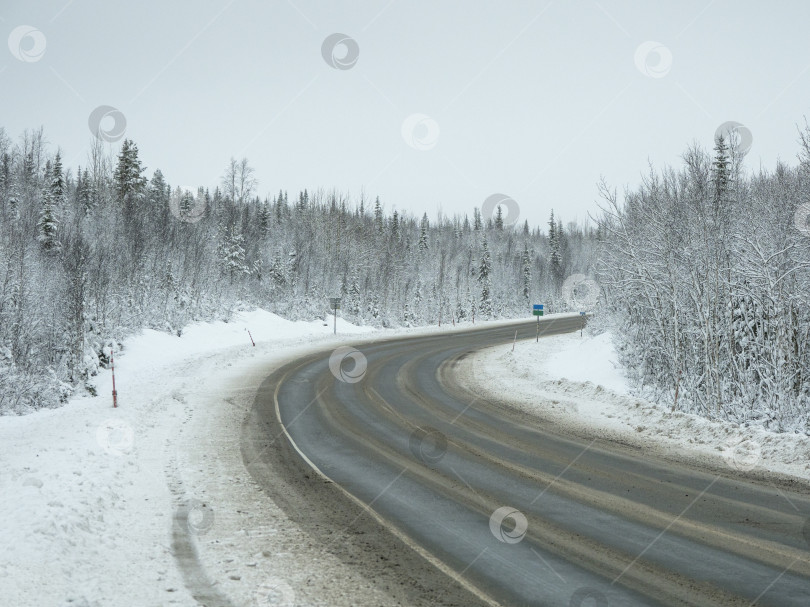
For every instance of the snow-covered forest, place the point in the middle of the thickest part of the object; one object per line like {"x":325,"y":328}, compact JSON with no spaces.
{"x":92,"y":253}
{"x":706,"y":270}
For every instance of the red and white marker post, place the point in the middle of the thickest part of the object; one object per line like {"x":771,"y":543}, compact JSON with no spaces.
{"x":112,"y":366}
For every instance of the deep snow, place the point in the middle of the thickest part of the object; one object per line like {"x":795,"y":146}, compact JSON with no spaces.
{"x":88,"y":492}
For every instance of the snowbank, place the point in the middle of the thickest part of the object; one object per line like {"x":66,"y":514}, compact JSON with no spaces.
{"x":588,"y":360}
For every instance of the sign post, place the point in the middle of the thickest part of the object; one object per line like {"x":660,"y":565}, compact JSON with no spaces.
{"x":335,"y":303}
{"x":582,"y":326}
{"x":537,"y":310}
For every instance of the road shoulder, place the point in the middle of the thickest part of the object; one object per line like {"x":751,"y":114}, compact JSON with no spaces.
{"x":575,"y":384}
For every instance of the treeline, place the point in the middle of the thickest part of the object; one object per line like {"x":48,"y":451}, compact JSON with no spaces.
{"x":707,"y":271}
{"x":91,"y":255}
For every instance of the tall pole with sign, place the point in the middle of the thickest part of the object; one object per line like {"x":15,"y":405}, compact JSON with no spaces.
{"x":537,"y":310}
{"x":335,"y":302}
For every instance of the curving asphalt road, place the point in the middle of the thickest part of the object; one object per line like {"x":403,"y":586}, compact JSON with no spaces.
{"x":516,"y":510}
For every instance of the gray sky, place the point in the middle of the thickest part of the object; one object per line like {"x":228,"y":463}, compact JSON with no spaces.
{"x":534,"y":100}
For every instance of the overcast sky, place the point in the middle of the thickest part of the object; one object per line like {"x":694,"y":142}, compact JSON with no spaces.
{"x":445,"y":103}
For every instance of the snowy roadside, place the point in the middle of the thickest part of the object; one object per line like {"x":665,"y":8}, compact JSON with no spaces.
{"x":89,"y":495}
{"x":576,"y":382}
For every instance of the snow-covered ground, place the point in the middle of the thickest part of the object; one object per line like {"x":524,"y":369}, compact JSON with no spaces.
{"x":89,"y":494}
{"x":579,"y":383}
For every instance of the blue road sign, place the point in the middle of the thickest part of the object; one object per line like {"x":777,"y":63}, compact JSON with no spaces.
{"x":537,"y":306}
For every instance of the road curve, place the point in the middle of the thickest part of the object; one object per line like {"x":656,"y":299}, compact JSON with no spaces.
{"x":516,"y":512}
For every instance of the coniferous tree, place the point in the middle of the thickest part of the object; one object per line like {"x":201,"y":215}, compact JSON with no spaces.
{"x":5,"y":176}
{"x":562,"y":246}
{"x":157,"y":200}
{"x":354,"y":294}
{"x":29,"y":172}
{"x":278,"y":272}
{"x":555,"y":258}
{"x":280,"y":208}
{"x":186,"y":206}
{"x":527,"y":272}
{"x":48,"y":224}
{"x":83,"y":192}
{"x":232,"y":252}
{"x":423,"y":235}
{"x":57,"y":182}
{"x":378,"y":216}
{"x":722,"y":171}
{"x":484,"y":277}
{"x":395,"y":226}
{"x":265,"y":218}
{"x":477,"y":220}
{"x":129,"y":181}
